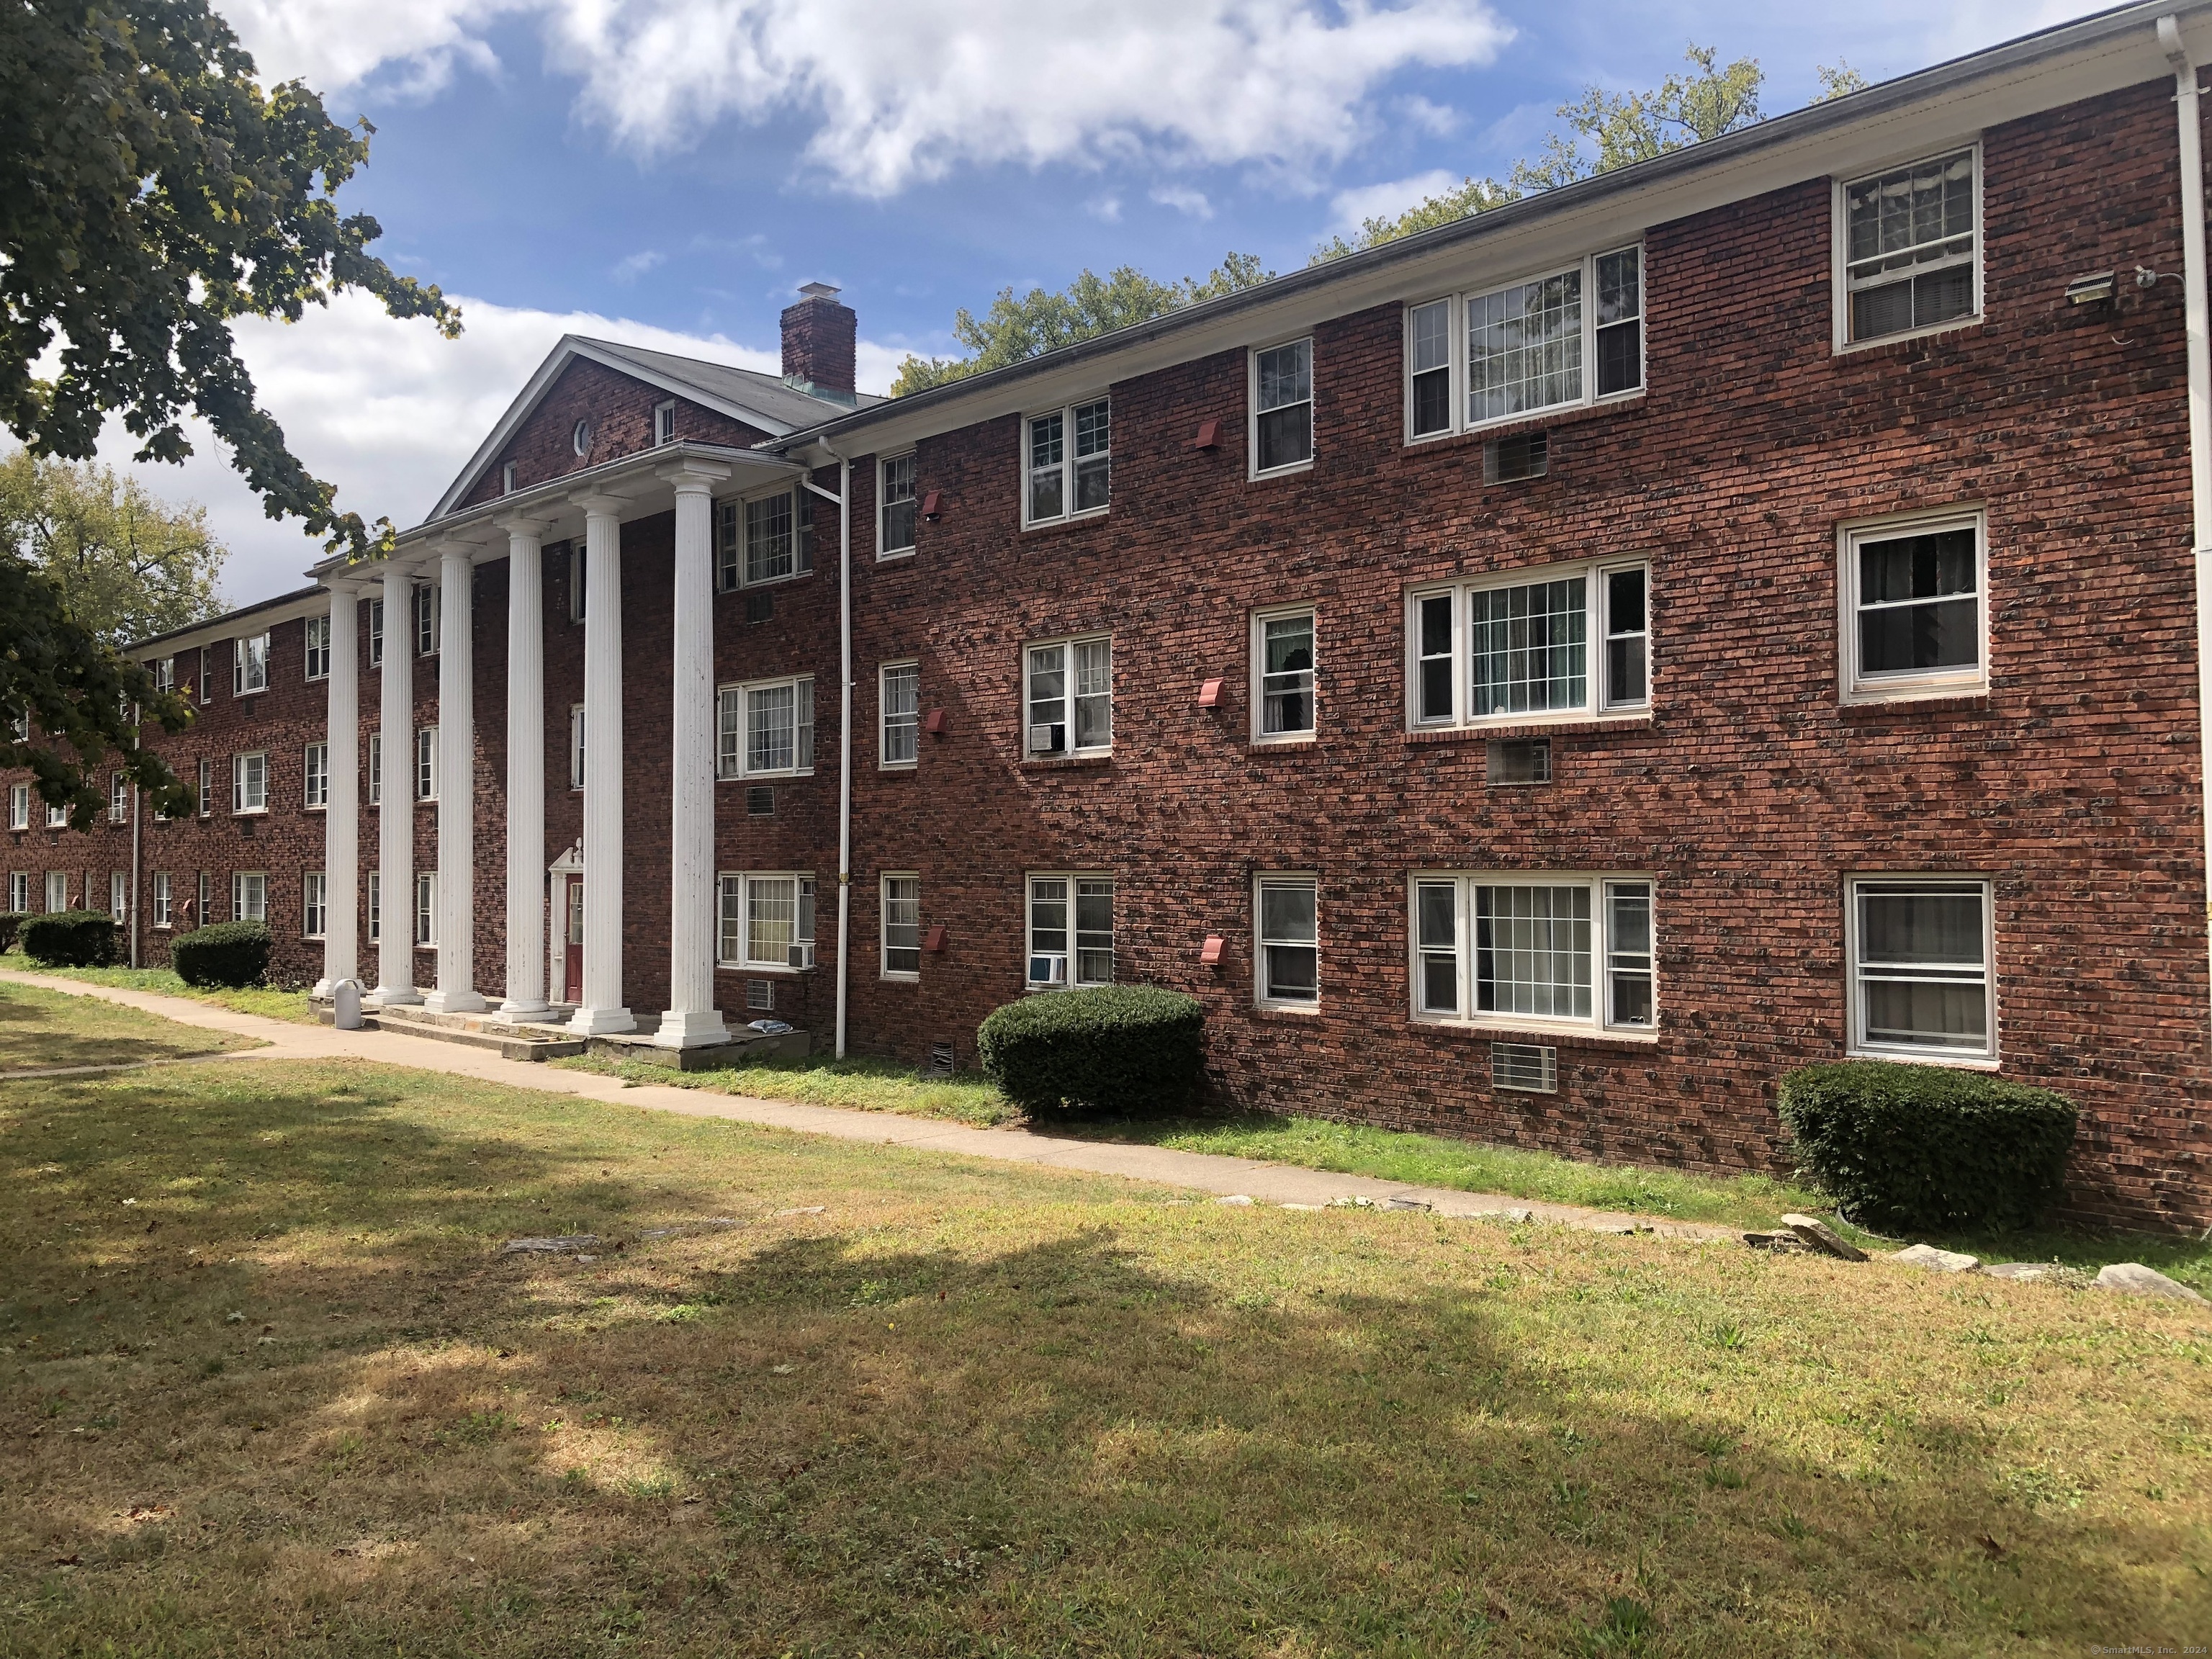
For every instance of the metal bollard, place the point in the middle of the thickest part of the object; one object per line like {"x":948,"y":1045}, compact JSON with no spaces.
{"x":345,"y":1005}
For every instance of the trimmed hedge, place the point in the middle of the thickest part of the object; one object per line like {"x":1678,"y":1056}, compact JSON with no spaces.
{"x":1128,"y":1048}
{"x":1908,"y":1148}
{"x":69,"y":939}
{"x":10,"y":921}
{"x":229,"y":953}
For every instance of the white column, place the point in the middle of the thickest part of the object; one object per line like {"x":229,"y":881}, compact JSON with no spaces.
{"x":599,"y":1008}
{"x":395,"y":817}
{"x":692,"y":1021}
{"x":457,"y":786}
{"x":342,"y":811}
{"x":526,"y":770}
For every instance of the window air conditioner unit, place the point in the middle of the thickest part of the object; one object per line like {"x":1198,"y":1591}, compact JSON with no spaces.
{"x":1049,"y":970}
{"x":1047,"y":739}
{"x":802,"y":956}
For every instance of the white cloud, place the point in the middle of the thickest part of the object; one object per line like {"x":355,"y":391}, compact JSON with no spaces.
{"x":902,"y":90}
{"x":1354,"y":208}
{"x":389,"y":413}
{"x":1192,"y":202}
{"x":632,"y":266}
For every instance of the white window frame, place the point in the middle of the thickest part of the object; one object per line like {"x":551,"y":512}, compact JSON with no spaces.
{"x":575,"y":745}
{"x":1839,"y":244}
{"x":734,"y":728}
{"x":424,"y":920}
{"x":19,"y":806}
{"x":164,"y":900}
{"x":207,"y":677}
{"x":428,"y":608}
{"x":1602,"y":887}
{"x":1066,"y":646}
{"x":507,"y":479}
{"x":314,"y":904}
{"x":249,"y":889}
{"x":1597,"y":703}
{"x":1257,"y":690}
{"x":424,"y":777}
{"x":375,"y":608}
{"x":249,"y":783}
{"x":884,"y":947}
{"x":1458,"y":376}
{"x":316,"y":632}
{"x":1071,"y":957}
{"x":1252,"y":410}
{"x":376,"y":768}
{"x":165,"y":673}
{"x":249,"y":665}
{"x":118,"y":894}
{"x":207,"y":789}
{"x":578,"y":570}
{"x":1856,"y":1043}
{"x":204,"y":891}
{"x":57,"y":891}
{"x":375,"y":900}
{"x":1902,"y":685}
{"x":735,"y":887}
{"x":732,"y":551}
{"x":663,"y":423}
{"x":315,"y":777}
{"x":118,"y":798}
{"x":884,"y":549}
{"x":1066,"y":466}
{"x":1262,"y":945}
{"x":57,"y":816}
{"x":910,"y":721}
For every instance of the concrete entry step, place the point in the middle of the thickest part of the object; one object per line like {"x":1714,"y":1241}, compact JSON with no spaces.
{"x":744,"y":1045}
{"x":509,"y":1040}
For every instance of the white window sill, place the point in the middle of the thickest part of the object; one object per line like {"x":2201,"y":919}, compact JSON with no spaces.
{"x":317,"y":679}
{"x":764,"y":777}
{"x":250,"y":813}
{"x":1916,"y":690}
{"x":1282,"y":739}
{"x":1957,"y":1061}
{"x":1062,"y":756}
{"x":315,"y":809}
{"x":1516,"y":1030}
{"x":1267,"y":1007}
{"x":1290,"y":471}
{"x":1952,"y":327}
{"x":898,"y":766}
{"x":899,"y":979}
{"x":896,"y":555}
{"x":1527,"y":416}
{"x":1493,"y":723}
{"x":783,"y":969}
{"x":747,"y":586}
{"x":1067,"y":518}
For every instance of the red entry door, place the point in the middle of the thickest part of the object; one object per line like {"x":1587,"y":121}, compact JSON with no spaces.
{"x":573,"y":978}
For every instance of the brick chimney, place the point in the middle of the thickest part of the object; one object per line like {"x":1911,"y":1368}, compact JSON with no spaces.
{"x":820,"y":338}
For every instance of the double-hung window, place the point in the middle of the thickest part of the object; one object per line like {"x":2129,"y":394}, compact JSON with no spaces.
{"x":578,"y":568}
{"x":316,"y":773}
{"x":902,"y":912}
{"x":164,"y":900}
{"x":19,"y":811}
{"x":165,"y":674}
{"x":249,"y":896}
{"x":118,"y":894}
{"x":576,"y":746}
{"x":57,"y":816}
{"x":1916,"y":608}
{"x":249,"y":783}
{"x":1559,"y":642}
{"x":207,"y":788}
{"x":376,"y":768}
{"x":204,"y":892}
{"x":1920,"y":979}
{"x":1557,"y":341}
{"x":767,"y":539}
{"x":1281,"y":396}
{"x":1909,"y":259}
{"x":57,"y":891}
{"x":1067,"y":463}
{"x":376,"y":906}
{"x":118,"y":798}
{"x":1070,"y":931}
{"x":1535,"y":952}
{"x":314,"y":909}
{"x":1068,"y":695}
{"x":249,"y":665}
{"x":766,"y":921}
{"x":427,"y":606}
{"x":898,"y":705}
{"x":319,"y":648}
{"x":1289,"y":956}
{"x":425,"y":909}
{"x":1283,"y":675}
{"x":663,"y":423}
{"x":375,"y":608}
{"x":900,"y":508}
{"x":766,"y":730}
{"x":207,"y":677}
{"x":425,"y":764}
{"x":19,"y":891}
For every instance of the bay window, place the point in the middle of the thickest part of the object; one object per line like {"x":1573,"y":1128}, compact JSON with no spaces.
{"x":1068,"y":697}
{"x":1535,"y":952}
{"x":1067,"y":466}
{"x":1557,"y":643}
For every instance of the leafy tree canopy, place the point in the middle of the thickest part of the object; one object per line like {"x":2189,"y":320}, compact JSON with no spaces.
{"x":1016,"y":329}
{"x":128,"y":565}
{"x":150,"y":192}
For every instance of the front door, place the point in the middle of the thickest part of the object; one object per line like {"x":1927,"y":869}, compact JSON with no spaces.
{"x":573,"y":977}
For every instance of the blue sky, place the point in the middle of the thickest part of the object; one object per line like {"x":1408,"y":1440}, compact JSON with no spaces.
{"x":669,"y":171}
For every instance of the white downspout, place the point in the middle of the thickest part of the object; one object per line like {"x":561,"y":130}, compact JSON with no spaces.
{"x":844,"y":500}
{"x":2200,"y":398}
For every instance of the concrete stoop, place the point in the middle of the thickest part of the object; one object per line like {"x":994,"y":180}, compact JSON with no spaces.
{"x":508,"y":1039}
{"x":744,"y":1045}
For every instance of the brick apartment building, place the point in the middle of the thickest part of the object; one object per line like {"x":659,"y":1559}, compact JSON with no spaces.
{"x":1539,"y":680}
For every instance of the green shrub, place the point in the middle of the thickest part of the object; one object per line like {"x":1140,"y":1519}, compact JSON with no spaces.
{"x":229,"y":953}
{"x":1907,"y":1148}
{"x":10,"y":921}
{"x":1129,"y":1048}
{"x":69,"y":939}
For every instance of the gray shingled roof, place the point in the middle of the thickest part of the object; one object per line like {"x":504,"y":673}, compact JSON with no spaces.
{"x":749,"y":387}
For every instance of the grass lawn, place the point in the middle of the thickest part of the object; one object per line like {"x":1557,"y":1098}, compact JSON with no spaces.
{"x":39,"y":1029}
{"x":866,"y":1086}
{"x":291,"y":1399}
{"x":255,"y":999}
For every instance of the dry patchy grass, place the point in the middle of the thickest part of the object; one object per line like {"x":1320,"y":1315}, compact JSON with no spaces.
{"x":292,"y":1400}
{"x":270,"y":1001}
{"x":40,"y":1029}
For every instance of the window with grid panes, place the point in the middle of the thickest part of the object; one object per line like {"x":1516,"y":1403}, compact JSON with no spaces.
{"x":249,"y":665}
{"x":319,"y":648}
{"x":764,"y":540}
{"x":902,"y":922}
{"x":249,"y":783}
{"x":1573,"y":641}
{"x":765,"y":920}
{"x":1068,"y":460}
{"x":1909,"y":246}
{"x":163,"y":900}
{"x":315,"y":772}
{"x":314,"y":919}
{"x":1282,"y":406}
{"x":899,"y":713}
{"x":1070,"y":931}
{"x":1535,"y":951}
{"x":765,"y":729}
{"x":1284,"y":644}
{"x":249,"y":896}
{"x":900,"y":507}
{"x":19,"y":808}
{"x":426,"y":908}
{"x":425,"y":764}
{"x":426,"y":620}
{"x":118,"y":798}
{"x":1571,"y":337}
{"x":1069,"y":697}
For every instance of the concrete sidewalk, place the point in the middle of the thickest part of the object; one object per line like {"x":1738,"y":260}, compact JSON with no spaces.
{"x":1265,"y":1183}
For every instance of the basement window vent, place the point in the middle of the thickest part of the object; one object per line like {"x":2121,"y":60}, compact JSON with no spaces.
{"x":940,"y":1060}
{"x":760,"y":994}
{"x":1509,"y":460}
{"x":759,"y":607}
{"x":1526,"y":1066}
{"x":759,"y":801}
{"x":1519,"y":760}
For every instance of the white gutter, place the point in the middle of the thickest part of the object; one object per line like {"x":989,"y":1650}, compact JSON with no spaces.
{"x":844,"y":500}
{"x":2200,"y":399}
